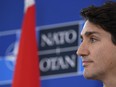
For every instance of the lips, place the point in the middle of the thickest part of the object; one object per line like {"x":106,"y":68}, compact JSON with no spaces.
{"x":85,"y":63}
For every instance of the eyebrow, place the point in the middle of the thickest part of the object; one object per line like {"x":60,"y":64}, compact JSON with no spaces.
{"x":88,"y":33}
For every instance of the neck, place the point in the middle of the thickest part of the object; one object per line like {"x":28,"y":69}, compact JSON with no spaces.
{"x":108,"y":78}
{"x":110,"y":82}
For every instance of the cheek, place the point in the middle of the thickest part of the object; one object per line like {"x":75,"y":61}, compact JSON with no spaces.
{"x":104,"y":56}
{"x":100,"y":51}
{"x":101,"y":63}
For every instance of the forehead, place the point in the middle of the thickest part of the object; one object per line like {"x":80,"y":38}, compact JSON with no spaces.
{"x":90,"y":28}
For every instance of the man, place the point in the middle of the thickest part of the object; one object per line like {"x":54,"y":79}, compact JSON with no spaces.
{"x":98,"y":47}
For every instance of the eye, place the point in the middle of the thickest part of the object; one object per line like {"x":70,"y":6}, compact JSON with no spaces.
{"x":93,"y":40}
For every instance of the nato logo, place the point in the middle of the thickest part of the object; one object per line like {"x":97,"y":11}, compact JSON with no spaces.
{"x":11,"y":54}
{"x":9,"y":49}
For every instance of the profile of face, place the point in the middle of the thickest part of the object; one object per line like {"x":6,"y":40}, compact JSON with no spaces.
{"x":97,"y":51}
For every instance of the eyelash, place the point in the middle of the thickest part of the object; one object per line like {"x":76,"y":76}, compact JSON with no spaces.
{"x":93,"y":40}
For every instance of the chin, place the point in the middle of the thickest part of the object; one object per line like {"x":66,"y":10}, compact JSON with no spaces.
{"x":90,"y":76}
{"x":87,"y":77}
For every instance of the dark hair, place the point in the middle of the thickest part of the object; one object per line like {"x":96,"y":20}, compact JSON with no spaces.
{"x":104,"y":16}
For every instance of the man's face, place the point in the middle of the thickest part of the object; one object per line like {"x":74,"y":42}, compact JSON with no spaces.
{"x":97,"y":51}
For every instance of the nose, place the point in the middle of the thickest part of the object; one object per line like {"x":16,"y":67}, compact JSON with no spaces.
{"x":83,"y":50}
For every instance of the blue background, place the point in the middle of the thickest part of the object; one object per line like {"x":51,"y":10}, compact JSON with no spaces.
{"x":48,"y":12}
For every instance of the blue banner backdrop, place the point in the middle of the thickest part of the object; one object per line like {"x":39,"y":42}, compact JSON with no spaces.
{"x":58,"y":26}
